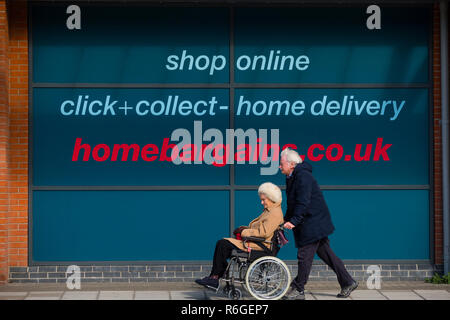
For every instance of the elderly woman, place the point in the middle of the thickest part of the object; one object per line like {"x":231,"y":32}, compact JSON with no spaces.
{"x":264,"y":227}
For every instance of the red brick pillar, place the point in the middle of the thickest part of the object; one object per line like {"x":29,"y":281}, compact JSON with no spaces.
{"x":13,"y":136}
{"x":437,"y":139}
{"x":4,"y":143}
{"x":18,"y":130}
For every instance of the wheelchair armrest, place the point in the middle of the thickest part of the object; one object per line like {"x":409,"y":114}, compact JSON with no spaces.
{"x":253,"y":239}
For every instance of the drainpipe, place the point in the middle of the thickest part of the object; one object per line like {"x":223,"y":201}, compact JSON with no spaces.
{"x":444,"y":127}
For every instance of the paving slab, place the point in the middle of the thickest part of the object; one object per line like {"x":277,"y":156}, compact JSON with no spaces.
{"x":13,"y":295}
{"x":191,"y":291}
{"x":116,"y":295}
{"x":434,"y":294}
{"x":80,"y":295}
{"x":173,"y":286}
{"x":367,"y":295}
{"x":44,"y":295}
{"x":188,"y":295}
{"x":326,"y":295}
{"x":151,"y":295}
{"x":212,"y":295}
{"x":309,"y":296}
{"x":401,"y":295}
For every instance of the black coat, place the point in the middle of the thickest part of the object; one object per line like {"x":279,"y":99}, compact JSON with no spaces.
{"x":306,"y":207}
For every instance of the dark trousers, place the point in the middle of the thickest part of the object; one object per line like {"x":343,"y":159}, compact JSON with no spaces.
{"x":305,"y":257}
{"x":221,"y":254}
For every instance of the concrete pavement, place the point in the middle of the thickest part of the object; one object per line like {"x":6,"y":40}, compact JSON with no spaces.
{"x":191,"y":291}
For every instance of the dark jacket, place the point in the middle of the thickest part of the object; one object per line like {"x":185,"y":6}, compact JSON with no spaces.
{"x":306,"y":207}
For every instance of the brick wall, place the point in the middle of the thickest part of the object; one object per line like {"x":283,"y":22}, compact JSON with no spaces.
{"x":189,"y":272}
{"x":4,"y":143}
{"x":18,"y":99}
{"x":438,"y":227}
{"x":13,"y":136}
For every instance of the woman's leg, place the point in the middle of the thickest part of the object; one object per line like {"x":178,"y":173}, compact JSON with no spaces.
{"x":221,"y":254}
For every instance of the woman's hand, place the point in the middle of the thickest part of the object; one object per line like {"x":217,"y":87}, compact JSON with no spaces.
{"x":288,"y":225}
{"x":239,"y":230}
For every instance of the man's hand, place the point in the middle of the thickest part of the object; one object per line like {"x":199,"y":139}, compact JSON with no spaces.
{"x":288,"y":225}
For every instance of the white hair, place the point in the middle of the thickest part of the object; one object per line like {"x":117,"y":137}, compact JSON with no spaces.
{"x":291,"y":155}
{"x":271,"y":191}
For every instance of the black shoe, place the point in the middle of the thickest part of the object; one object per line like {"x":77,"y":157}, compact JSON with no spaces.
{"x":346,"y":291}
{"x":208,"y":282}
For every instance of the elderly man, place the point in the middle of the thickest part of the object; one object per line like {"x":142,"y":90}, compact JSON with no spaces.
{"x":308,"y":215}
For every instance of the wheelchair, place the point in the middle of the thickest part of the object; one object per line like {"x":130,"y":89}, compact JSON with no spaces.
{"x":260,"y":272}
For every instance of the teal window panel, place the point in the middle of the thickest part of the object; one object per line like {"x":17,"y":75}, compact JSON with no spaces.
{"x":389,"y":144}
{"x":55,"y":135}
{"x":132,"y":44}
{"x":339,"y":46}
{"x":127,"y":225}
{"x":128,"y":44}
{"x":370,"y":224}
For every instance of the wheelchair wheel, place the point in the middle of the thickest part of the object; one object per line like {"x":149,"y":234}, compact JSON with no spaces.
{"x":226,"y":289}
{"x":268,"y":278}
{"x":234,"y":294}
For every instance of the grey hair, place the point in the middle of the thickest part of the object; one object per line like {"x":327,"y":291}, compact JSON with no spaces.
{"x":291,"y":155}
{"x":271,"y":191}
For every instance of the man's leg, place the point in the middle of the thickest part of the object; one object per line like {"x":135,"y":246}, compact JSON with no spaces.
{"x":305,"y":256}
{"x":329,"y":257}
